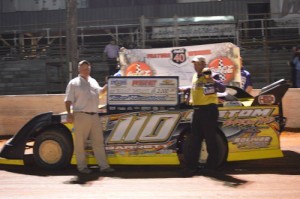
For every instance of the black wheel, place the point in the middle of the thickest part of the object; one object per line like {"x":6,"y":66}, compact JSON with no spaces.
{"x":221,"y":144}
{"x":53,"y":150}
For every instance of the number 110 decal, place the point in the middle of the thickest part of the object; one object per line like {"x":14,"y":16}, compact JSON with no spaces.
{"x":144,"y":128}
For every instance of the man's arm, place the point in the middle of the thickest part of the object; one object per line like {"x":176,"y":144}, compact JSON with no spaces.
{"x":249,"y":83}
{"x":104,"y":88}
{"x":68,"y":109}
{"x":68,"y":106}
{"x":249,"y":89}
{"x":102,"y":91}
{"x":220,"y":87}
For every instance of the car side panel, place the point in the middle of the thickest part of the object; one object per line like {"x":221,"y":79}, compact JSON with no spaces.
{"x":252,"y":132}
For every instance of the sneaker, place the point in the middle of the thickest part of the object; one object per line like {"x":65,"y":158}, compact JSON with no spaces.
{"x":85,"y":171}
{"x":107,"y":170}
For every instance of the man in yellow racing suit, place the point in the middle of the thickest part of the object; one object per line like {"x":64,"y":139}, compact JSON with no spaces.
{"x":204,"y":125}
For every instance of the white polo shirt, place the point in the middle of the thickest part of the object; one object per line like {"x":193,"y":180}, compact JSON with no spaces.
{"x":84,"y":94}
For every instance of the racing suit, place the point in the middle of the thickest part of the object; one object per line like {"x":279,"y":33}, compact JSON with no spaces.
{"x":204,"y":125}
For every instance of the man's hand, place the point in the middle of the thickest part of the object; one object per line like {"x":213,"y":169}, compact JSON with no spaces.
{"x":209,"y":79}
{"x":70,"y":118}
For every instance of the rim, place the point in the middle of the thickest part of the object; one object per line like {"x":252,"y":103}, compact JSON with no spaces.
{"x":50,"y":151}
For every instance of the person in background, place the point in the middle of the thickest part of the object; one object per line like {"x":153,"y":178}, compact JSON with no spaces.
{"x":246,"y":82}
{"x":82,"y":93}
{"x":205,"y":118}
{"x":295,"y":68}
{"x":111,"y":52}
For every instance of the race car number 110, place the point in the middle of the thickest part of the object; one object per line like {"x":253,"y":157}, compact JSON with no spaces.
{"x":144,"y":128}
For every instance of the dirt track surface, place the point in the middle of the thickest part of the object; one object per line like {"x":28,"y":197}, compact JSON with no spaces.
{"x":271,"y":178}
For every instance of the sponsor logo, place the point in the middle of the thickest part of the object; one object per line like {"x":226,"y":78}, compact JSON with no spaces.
{"x":253,"y":142}
{"x":138,"y":69}
{"x":145,"y":83}
{"x":178,"y":55}
{"x":118,"y":82}
{"x":248,"y":122}
{"x":247,"y":117}
{"x":242,"y":113}
{"x":224,"y":67}
{"x":248,"y":139}
{"x":134,"y":146}
{"x":266,"y":99}
{"x":167,"y":82}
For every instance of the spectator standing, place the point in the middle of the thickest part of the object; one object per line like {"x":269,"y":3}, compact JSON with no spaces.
{"x":111,"y":52}
{"x":205,"y":118}
{"x":82,"y":93}
{"x":246,"y":82}
{"x":295,"y":70}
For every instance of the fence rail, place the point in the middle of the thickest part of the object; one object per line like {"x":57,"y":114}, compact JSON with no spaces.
{"x":266,"y":44}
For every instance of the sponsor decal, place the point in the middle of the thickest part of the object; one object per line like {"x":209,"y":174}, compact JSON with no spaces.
{"x":232,"y":103}
{"x":130,"y":147}
{"x":240,"y":113}
{"x":248,"y":139}
{"x":253,"y":142}
{"x":248,"y":122}
{"x":247,"y":117}
{"x":266,"y":99}
{"x":144,"y":83}
{"x":118,"y":82}
{"x":168,"y":82}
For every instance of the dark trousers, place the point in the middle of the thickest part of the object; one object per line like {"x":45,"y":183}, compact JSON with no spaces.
{"x":112,"y":66}
{"x":204,"y":126}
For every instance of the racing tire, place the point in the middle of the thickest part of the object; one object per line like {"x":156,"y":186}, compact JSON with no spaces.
{"x":53,"y":150}
{"x":221,"y":145}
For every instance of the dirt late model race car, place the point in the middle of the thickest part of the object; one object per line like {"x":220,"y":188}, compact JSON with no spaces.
{"x":146,"y":121}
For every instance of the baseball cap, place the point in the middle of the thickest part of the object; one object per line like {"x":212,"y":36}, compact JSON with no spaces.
{"x":206,"y":71}
{"x":198,"y":59}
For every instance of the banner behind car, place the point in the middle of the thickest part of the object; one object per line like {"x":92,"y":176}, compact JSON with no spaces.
{"x":222,"y":58}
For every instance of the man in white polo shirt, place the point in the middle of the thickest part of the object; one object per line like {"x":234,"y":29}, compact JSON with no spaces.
{"x":82,"y":94}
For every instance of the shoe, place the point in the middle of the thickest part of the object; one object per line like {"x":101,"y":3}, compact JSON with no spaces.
{"x":85,"y":171}
{"x":107,"y":170}
{"x":201,"y":166}
{"x":189,"y":172}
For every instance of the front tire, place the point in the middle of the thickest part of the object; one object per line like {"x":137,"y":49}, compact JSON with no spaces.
{"x":53,"y":150}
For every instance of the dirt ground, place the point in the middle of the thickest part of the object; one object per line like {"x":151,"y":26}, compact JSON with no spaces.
{"x":270,"y":178}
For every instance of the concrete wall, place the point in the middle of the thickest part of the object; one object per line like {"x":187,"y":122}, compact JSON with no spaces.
{"x":291,"y":110}
{"x":16,"y":110}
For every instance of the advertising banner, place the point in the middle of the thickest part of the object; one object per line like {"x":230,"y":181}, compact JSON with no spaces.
{"x":194,"y":31}
{"x":222,"y":58}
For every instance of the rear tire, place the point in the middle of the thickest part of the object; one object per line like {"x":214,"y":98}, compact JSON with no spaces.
{"x":52,"y":150}
{"x":221,"y":145}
